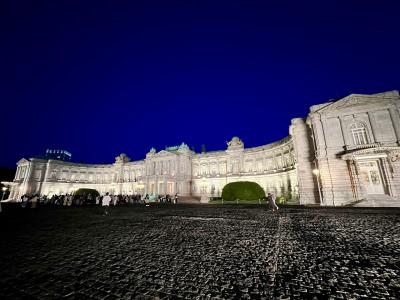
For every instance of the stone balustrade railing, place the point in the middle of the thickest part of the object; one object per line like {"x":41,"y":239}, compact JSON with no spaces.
{"x":363,"y":146}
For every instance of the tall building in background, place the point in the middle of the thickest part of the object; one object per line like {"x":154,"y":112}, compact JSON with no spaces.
{"x":344,"y":151}
{"x":58,"y":154}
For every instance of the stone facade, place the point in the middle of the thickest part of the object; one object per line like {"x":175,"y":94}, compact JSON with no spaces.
{"x":344,"y":151}
{"x":356,"y":144}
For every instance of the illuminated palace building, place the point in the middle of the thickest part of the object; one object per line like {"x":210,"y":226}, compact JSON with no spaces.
{"x":344,"y":151}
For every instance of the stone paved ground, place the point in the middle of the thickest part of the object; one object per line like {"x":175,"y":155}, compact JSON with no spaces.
{"x":183,"y":251}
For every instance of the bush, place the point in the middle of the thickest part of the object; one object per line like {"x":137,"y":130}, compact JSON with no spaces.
{"x":242,"y":190}
{"x":85,"y":192}
{"x":280,"y":200}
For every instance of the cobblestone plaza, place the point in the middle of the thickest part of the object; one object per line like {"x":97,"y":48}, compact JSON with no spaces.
{"x":200,"y":252}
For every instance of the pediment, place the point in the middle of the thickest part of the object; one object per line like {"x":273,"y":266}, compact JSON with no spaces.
{"x":347,"y":102}
{"x":356,"y":100}
{"x":22,"y":161}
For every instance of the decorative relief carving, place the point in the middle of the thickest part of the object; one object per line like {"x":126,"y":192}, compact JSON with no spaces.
{"x":394,"y":155}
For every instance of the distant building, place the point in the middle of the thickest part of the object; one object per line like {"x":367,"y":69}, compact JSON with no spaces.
{"x":342,"y":152}
{"x":58,"y":154}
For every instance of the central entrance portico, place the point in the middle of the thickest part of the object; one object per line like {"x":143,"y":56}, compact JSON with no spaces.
{"x":373,"y":173}
{"x":169,"y":171}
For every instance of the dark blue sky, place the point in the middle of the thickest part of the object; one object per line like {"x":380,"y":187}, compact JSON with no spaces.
{"x":103,"y":77}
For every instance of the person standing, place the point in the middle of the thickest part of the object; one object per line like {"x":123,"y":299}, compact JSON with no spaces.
{"x":89,"y":199}
{"x":106,"y":204}
{"x":34,"y":201}
{"x":70,"y":199}
{"x":24,"y":201}
{"x":176,"y":199}
{"x":271,"y":202}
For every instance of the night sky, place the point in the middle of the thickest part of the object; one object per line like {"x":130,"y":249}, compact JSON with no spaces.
{"x":98,"y":78}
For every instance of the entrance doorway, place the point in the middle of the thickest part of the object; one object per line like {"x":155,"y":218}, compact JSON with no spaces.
{"x":371,"y":177}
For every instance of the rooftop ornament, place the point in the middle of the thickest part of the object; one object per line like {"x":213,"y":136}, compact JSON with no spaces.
{"x":172,"y":148}
{"x":122,"y":158}
{"x":151,"y":152}
{"x":183,"y":146}
{"x":235,"y":144}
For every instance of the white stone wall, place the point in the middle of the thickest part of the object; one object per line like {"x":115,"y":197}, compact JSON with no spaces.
{"x":271,"y":166}
{"x":181,"y":171}
{"x":331,"y":125}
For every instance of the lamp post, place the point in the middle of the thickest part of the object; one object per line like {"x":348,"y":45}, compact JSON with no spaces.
{"x":316,"y":173}
{"x":4,"y":189}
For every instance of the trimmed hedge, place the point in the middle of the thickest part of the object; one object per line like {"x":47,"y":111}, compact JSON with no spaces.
{"x":242,"y":190}
{"x":85,"y":192}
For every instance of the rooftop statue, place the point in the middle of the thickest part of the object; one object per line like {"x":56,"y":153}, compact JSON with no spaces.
{"x":122,"y":158}
{"x":183,"y":146}
{"x":172,"y":148}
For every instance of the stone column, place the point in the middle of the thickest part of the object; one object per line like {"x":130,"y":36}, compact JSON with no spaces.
{"x":354,"y":177}
{"x":275,"y":163}
{"x":17,"y":172}
{"x":318,"y":136}
{"x":387,"y":177}
{"x":25,"y":184}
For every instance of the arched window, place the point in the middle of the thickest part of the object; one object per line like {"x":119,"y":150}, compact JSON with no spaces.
{"x":359,"y":134}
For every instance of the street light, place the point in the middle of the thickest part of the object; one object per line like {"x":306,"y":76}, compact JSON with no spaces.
{"x":4,"y":189}
{"x":316,"y":173}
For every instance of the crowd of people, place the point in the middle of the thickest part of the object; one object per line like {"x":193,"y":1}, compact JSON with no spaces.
{"x":33,"y":201}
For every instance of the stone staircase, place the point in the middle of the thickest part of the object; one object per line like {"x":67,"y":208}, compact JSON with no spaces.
{"x":379,"y":201}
